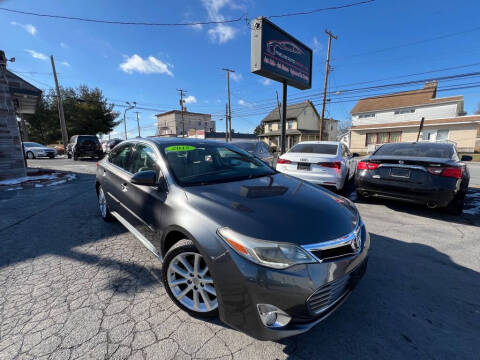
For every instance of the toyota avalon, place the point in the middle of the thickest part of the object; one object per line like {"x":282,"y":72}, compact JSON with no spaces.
{"x":270,"y":254}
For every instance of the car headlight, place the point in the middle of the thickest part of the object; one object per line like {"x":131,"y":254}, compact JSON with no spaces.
{"x":266,"y":253}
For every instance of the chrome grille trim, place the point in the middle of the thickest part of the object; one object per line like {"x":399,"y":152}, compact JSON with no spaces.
{"x":349,"y":240}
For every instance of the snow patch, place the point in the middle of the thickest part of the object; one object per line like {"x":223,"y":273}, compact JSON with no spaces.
{"x":28,"y":178}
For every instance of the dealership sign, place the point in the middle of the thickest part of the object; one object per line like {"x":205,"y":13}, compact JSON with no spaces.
{"x":279,"y":56}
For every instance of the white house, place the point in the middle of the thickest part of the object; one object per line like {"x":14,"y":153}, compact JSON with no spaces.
{"x":396,"y":117}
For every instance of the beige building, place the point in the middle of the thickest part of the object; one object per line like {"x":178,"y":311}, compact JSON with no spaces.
{"x":303,"y":124}
{"x":396,"y":118}
{"x":174,"y":123}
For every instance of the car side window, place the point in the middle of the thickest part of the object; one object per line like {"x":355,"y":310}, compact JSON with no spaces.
{"x":121,"y":156}
{"x":143,"y":159}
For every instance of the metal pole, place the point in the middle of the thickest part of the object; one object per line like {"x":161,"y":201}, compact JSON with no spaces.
{"x":138,"y":124}
{"x":130,"y":107}
{"x":229,"y":104}
{"x":327,"y":69}
{"x":226,"y":122}
{"x":284,"y":118}
{"x":61,"y":115}
{"x":181,"y":108}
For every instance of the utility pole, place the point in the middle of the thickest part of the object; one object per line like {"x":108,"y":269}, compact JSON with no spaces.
{"x":181,"y":107}
{"x":138,"y":124}
{"x":229,"y":105}
{"x":61,"y":115}
{"x":130,"y":107}
{"x":279,"y":111}
{"x":284,"y":118}
{"x":327,"y":69}
{"x":226,"y":122}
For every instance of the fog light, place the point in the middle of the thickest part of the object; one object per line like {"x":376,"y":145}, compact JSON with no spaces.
{"x":272,"y":316}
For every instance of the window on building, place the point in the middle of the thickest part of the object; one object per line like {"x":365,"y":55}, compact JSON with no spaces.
{"x":404,"y":111}
{"x":270,"y":127}
{"x":289,"y":124}
{"x":442,"y":134}
{"x":362,"y":116}
{"x":383,"y":137}
{"x":199,"y":123}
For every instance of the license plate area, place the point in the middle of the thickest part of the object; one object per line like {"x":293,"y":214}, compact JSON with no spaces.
{"x":303,"y":166}
{"x":400,"y":173}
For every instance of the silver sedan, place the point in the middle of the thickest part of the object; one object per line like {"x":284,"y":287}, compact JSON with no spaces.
{"x":33,"y":150}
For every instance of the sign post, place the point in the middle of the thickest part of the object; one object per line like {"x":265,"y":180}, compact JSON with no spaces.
{"x":277,"y":55}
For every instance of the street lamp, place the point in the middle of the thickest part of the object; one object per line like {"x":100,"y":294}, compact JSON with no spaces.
{"x":130,"y":107}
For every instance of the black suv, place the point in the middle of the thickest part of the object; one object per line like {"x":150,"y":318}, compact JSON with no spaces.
{"x":84,"y":145}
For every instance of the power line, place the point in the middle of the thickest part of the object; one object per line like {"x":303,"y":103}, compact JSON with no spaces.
{"x":114,"y":22}
{"x":210,"y":22}
{"x":321,"y":9}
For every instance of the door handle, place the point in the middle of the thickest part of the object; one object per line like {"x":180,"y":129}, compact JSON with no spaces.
{"x":124,"y":186}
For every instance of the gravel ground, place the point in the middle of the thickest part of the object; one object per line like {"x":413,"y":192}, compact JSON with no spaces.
{"x":72,"y":286}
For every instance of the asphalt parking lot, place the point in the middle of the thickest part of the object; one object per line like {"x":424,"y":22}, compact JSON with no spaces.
{"x":72,"y":286}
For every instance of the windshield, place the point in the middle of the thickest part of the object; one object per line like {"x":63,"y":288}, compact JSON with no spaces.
{"x":328,"y":149}
{"x":88,"y":138}
{"x":33,"y":144}
{"x":202,"y":164}
{"x":444,"y":151}
{"x":247,"y":146}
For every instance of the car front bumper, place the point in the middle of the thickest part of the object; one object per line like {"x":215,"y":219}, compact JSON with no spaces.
{"x":241,"y":285}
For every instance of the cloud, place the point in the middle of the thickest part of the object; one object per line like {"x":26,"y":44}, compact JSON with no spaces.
{"x":63,"y":45}
{"x":151,"y":65}
{"x":266,"y":81}
{"x":190,"y":99}
{"x":236,"y":76}
{"x":65,"y":63}
{"x":317,"y":46}
{"x":32,"y":30}
{"x":37,"y":55}
{"x":244,"y":103}
{"x":220,"y":33}
{"x":197,"y":27}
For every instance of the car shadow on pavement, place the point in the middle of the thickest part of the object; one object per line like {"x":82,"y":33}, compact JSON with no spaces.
{"x":62,"y":224}
{"x":414,"y":302}
{"x":470,"y":216}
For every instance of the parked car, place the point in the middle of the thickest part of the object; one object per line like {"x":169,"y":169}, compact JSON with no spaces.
{"x":271,"y":255}
{"x":84,"y":145}
{"x":425,"y":173}
{"x":111,"y":144}
{"x":59,"y":147}
{"x":33,"y":150}
{"x":327,"y":163}
{"x":258,"y":149}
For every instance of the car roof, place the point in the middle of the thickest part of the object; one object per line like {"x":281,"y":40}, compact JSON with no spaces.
{"x":320,"y":142}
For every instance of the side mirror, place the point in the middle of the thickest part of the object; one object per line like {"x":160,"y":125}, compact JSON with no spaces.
{"x":466,"y":158}
{"x":146,"y":178}
{"x":355,"y":154}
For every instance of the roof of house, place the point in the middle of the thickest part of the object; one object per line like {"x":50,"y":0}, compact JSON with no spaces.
{"x":293,"y":111}
{"x":403,"y":99}
{"x":179,"y":112}
{"x":288,"y":132}
{"x":458,"y":119}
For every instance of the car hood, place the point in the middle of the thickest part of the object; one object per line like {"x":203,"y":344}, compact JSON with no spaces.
{"x":276,"y":208}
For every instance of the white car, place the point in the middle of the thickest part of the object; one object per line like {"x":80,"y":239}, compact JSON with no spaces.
{"x":33,"y":150}
{"x":327,"y":163}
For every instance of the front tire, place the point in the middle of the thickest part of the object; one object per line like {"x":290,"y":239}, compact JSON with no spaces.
{"x":30,"y":155}
{"x":188,"y":281}
{"x":75,"y":157}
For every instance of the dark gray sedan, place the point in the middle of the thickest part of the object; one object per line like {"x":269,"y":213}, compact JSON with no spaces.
{"x":270,"y":254}
{"x":257,"y":148}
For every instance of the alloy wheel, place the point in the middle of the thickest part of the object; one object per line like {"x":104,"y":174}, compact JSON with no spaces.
{"x":190,"y":282}
{"x":102,"y":203}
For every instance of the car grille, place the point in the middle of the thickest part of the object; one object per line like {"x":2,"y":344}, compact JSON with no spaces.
{"x":329,"y":294}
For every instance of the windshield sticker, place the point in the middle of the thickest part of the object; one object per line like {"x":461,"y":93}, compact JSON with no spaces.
{"x":180,"y":148}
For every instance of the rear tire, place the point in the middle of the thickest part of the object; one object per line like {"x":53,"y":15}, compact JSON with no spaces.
{"x":457,"y":204}
{"x":69,"y":156}
{"x":188,"y":281}
{"x":103,"y":206}
{"x":75,"y":157}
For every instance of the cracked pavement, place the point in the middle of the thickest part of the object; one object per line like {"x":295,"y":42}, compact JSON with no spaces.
{"x":74,"y":287}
